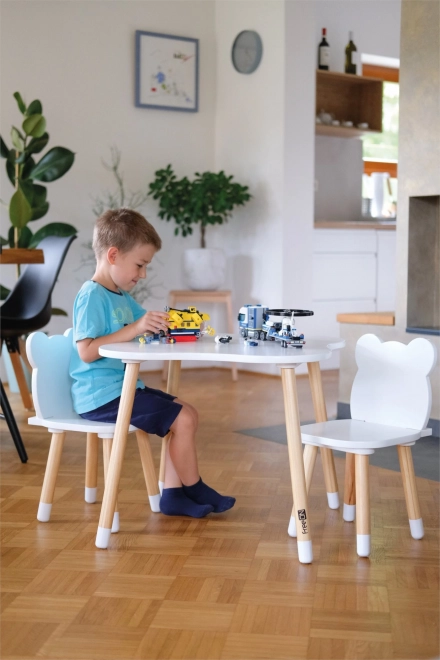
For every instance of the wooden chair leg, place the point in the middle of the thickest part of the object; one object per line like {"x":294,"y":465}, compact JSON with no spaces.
{"x":172,"y":388}
{"x":310,"y":453}
{"x":92,"y":451}
{"x":328,"y":463}
{"x":410,"y":489}
{"x":148,"y":469}
{"x":50,"y":477}
{"x":107,"y":450}
{"x":349,"y":489}
{"x":363,"y":522}
{"x":21,"y":380}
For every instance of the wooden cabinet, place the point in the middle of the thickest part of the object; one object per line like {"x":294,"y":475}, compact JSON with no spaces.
{"x":349,"y":98}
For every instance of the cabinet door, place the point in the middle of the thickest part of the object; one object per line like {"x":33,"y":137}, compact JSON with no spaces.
{"x":344,"y":276}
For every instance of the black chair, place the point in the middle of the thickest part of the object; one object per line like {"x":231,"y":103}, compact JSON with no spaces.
{"x":28,"y":308}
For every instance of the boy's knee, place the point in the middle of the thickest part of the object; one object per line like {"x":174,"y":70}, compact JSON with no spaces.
{"x":185,"y":421}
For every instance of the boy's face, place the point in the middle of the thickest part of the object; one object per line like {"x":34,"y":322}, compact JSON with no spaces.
{"x":127,"y":268}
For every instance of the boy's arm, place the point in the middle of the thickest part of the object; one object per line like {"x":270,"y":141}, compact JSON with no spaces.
{"x":88,"y":349}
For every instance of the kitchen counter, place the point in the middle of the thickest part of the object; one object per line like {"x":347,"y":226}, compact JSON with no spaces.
{"x":383,"y":225}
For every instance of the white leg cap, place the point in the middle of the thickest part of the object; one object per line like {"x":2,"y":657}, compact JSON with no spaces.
{"x":44,"y":510}
{"x":333,"y":500}
{"x":102,"y":537}
{"x":305,"y":552}
{"x":416,"y":528}
{"x":161,"y":485}
{"x":115,"y":525}
{"x":154,"y":503}
{"x":291,"y":530}
{"x":90,"y":495}
{"x":363,"y":545}
{"x":349,"y":512}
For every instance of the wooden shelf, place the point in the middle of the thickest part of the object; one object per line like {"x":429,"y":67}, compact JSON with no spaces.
{"x":349,"y":98}
{"x":368,"y":318}
{"x":21,"y":256}
{"x":342,"y":131}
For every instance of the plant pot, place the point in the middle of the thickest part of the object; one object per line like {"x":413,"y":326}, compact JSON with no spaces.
{"x":204,"y":268}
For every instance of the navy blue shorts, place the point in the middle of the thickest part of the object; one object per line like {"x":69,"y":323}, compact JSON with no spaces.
{"x":154,"y":411}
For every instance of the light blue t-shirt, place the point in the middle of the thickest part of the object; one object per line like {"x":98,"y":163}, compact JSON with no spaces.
{"x":97,"y":311}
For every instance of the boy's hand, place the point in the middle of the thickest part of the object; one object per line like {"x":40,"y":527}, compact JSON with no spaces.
{"x":153,"y":322}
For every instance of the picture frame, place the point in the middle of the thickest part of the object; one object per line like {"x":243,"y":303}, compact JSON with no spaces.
{"x":167,"y":72}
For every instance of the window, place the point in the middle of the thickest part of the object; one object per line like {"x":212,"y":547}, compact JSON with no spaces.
{"x":380,"y":151}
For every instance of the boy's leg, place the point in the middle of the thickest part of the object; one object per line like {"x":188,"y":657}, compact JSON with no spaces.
{"x":183,"y":455}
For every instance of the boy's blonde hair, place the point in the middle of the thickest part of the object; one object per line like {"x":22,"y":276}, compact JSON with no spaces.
{"x":123,"y":229}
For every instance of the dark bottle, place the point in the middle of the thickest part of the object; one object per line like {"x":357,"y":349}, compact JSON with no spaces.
{"x":324,"y":52}
{"x":350,"y":57}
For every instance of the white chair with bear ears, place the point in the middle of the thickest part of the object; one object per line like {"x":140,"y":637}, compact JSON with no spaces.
{"x":51,"y":389}
{"x":390,"y":406}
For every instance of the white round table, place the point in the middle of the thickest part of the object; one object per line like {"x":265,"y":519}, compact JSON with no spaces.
{"x":205,"y":349}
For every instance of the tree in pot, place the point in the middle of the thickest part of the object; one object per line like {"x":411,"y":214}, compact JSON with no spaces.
{"x":206,"y":200}
{"x":29,"y":200}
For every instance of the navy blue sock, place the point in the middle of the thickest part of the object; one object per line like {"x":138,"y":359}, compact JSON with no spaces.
{"x":174,"y":502}
{"x":203,"y":494}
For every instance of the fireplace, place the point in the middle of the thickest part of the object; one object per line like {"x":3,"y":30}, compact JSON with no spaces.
{"x":423,"y":311}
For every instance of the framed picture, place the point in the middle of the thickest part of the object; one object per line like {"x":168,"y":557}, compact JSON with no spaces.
{"x":167,"y":72}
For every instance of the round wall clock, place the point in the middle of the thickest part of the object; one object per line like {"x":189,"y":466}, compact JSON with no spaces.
{"x":247,"y":51}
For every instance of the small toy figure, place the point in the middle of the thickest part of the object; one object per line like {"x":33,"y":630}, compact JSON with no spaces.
{"x":223,"y":339}
{"x":252,"y":343}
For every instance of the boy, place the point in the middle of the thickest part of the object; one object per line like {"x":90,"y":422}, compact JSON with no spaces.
{"x":124,"y":243}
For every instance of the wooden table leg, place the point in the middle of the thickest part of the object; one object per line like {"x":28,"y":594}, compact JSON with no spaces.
{"x":305,"y":551}
{"x":328,"y":463}
{"x":310,"y":454}
{"x":117,"y":456}
{"x":231,"y":330}
{"x":172,"y":388}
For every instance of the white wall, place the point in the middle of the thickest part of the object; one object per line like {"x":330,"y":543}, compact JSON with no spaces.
{"x":78,"y":58}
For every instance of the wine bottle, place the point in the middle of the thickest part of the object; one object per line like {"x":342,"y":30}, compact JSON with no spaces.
{"x":324,"y":52}
{"x":350,"y":57}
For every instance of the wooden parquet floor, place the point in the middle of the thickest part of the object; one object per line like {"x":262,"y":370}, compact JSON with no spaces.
{"x":228,"y":586}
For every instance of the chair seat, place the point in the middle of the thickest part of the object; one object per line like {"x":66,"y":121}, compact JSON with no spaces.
{"x":77,"y":424}
{"x":352,"y":434}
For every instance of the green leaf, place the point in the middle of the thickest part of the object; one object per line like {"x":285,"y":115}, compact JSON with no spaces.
{"x":37,"y":144}
{"x":17,"y":139}
{"x":35,"y":125}
{"x":20,"y":102}
{"x":34,"y":108}
{"x":11,"y":236}
{"x":20,"y":211}
{"x":56,"y":311}
{"x":39,"y":211}
{"x":4,"y":292}
{"x":53,"y":165}
{"x":27,"y":168}
{"x":25,"y":237}
{"x":52,"y":229}
{"x":4,"y":151}
{"x":4,"y":241}
{"x":28,"y":190}
{"x":10,"y":170}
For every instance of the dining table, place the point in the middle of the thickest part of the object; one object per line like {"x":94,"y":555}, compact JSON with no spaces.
{"x":239,"y":351}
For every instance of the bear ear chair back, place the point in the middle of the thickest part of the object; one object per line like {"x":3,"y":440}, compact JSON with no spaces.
{"x":392,"y":386}
{"x":51,"y":382}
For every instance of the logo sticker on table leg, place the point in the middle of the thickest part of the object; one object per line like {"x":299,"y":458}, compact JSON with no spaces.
{"x":302,"y":517}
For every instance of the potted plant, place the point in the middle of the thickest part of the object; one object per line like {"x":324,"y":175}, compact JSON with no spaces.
{"x":206,"y":200}
{"x":29,"y":201}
